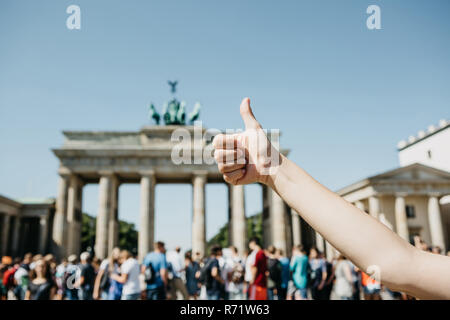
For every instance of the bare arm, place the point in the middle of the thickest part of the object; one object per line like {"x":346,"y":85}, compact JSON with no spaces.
{"x":164,"y":276}
{"x":360,"y":237}
{"x":98,"y":279}
{"x":121,"y":279}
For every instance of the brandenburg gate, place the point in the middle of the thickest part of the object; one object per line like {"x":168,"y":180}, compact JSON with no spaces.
{"x":170,"y":153}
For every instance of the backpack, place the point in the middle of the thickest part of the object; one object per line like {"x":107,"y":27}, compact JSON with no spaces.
{"x":275,"y":271}
{"x":104,"y":281}
{"x":149,"y":273}
{"x":205,"y":273}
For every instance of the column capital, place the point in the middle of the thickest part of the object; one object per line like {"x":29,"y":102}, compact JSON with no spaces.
{"x":434,"y":195}
{"x":150,"y":174}
{"x":400,"y":194}
{"x":106,"y":173}
{"x":64,"y":172}
{"x":147,"y":173}
{"x":76,"y":179}
{"x":294,"y":213}
{"x":200,"y":174}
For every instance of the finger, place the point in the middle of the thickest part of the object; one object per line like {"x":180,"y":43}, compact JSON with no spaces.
{"x":232,"y":177}
{"x":247,"y":115}
{"x":225,"y":167}
{"x":229,"y":156}
{"x":225,"y":141}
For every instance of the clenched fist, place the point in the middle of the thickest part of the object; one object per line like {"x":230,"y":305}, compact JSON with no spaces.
{"x":246,"y":157}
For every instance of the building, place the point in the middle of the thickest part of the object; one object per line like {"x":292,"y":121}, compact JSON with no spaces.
{"x":413,"y":198}
{"x":431,"y":147}
{"x":25,"y":225}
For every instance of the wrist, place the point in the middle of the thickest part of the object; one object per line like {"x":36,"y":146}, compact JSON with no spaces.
{"x":274,"y":172}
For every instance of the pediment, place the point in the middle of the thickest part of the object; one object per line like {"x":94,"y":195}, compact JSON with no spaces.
{"x":414,"y":172}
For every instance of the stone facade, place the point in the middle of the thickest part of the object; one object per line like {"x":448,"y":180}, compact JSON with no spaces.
{"x":25,"y":225}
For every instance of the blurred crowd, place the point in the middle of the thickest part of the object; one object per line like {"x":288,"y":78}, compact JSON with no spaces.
{"x":257,"y":274}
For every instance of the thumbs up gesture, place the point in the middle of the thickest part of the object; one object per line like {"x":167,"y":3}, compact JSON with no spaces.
{"x":249,"y":156}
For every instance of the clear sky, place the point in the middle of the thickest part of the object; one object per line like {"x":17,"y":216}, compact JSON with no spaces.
{"x":343,"y":95}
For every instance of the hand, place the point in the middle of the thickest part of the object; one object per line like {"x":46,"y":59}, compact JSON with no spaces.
{"x":249,"y":156}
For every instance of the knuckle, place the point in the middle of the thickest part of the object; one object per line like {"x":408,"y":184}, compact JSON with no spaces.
{"x":217,"y":155}
{"x":216,"y":141}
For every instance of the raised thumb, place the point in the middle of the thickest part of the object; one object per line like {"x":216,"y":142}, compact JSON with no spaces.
{"x":247,"y":115}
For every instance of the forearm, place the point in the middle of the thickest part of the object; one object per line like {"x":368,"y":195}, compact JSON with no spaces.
{"x":357,"y":235}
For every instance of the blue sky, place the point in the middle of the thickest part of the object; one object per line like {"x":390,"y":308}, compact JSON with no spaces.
{"x":342,"y":95}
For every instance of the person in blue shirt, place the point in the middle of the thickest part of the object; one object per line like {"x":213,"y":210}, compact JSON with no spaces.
{"x":156,"y":289}
{"x":299,"y":268}
{"x":285,"y":274}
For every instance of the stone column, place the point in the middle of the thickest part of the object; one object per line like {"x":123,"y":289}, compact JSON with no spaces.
{"x":320,"y":245}
{"x":5,"y":234}
{"x":374,"y":206}
{"x":401,"y":220}
{"x":101,"y":235}
{"x":278,"y":223}
{"x":43,"y":234}
{"x":74,"y":215}
{"x":237,"y":223}
{"x":113,"y":225}
{"x":360,"y":205}
{"x":59,"y":221}
{"x":435,"y":222}
{"x":16,"y":236}
{"x":296,"y":229}
{"x":198,"y":217}
{"x":147,"y":214}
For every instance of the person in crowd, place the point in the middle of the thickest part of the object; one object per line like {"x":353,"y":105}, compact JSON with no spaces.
{"x":358,"y":236}
{"x":41,"y":286}
{"x":105,"y":287}
{"x":318,"y":274}
{"x":36,"y":258}
{"x":249,"y":259}
{"x":371,"y":287}
{"x":22,"y":278}
{"x":70,"y":278}
{"x":285,"y":274}
{"x":154,"y":268}
{"x":129,"y":276}
{"x":8,"y":277}
{"x":176,"y":283}
{"x":356,"y":276}
{"x":436,"y":250}
{"x":329,"y":281}
{"x":192,"y":272}
{"x":299,"y":268}
{"x":59,"y":279}
{"x":234,"y":273}
{"x":273,"y":274}
{"x":3,"y":291}
{"x":343,"y":286}
{"x":212,"y":274}
{"x":258,"y":283}
{"x":86,"y":277}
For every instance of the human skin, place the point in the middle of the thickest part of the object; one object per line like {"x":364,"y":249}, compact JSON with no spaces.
{"x":364,"y":240}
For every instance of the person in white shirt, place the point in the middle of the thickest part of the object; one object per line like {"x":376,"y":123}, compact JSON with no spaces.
{"x":176,"y":283}
{"x":129,"y":276}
